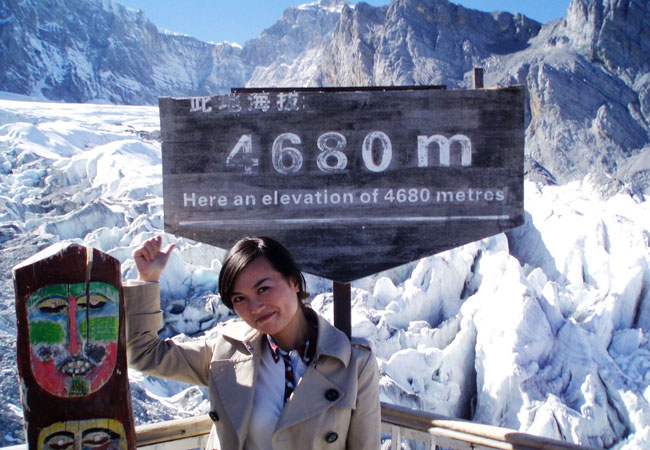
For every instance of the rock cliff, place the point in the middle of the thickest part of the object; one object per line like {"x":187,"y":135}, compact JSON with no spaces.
{"x":587,"y":74}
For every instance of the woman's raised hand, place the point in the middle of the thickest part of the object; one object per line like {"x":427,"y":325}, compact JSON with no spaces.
{"x":150,"y":260}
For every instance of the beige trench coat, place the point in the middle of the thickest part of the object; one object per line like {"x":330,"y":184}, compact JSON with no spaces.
{"x":334,"y":406}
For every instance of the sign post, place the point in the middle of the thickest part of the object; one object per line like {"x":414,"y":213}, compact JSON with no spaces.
{"x":353,"y":181}
{"x":342,"y":299}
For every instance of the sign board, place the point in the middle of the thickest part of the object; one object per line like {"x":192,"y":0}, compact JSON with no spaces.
{"x":71,"y":350}
{"x":352,"y":181}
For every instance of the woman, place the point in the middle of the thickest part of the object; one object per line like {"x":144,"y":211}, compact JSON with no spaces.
{"x":282,"y":377}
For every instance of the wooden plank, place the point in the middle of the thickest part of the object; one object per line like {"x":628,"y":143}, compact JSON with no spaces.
{"x":487,"y":435}
{"x":191,"y":443}
{"x":249,"y":90}
{"x":353,"y":182}
{"x":71,"y":349}
{"x":150,"y":434}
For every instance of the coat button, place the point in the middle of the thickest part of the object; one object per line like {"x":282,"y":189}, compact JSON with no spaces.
{"x":214,"y":416}
{"x":331,"y":395}
{"x":331,"y":437}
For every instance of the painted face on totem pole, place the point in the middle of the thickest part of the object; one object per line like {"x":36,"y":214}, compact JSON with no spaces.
{"x":73,"y":337}
{"x":94,"y":434}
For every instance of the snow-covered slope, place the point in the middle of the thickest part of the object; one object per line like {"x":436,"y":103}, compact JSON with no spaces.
{"x":545,"y":330}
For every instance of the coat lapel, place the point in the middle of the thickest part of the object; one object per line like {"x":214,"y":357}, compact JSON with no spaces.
{"x":334,"y":346}
{"x":235,"y":377}
{"x":311,"y":392}
{"x":332,"y":342}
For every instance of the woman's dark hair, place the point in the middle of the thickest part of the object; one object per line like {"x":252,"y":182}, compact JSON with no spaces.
{"x":248,"y":249}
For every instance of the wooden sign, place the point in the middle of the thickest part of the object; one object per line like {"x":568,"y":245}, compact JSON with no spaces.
{"x":353,"y":181}
{"x":72,"y":350}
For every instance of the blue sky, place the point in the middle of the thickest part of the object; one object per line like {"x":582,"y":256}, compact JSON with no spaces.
{"x":241,"y":20}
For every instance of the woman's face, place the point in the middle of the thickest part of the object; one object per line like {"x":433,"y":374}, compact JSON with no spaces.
{"x":265,"y":299}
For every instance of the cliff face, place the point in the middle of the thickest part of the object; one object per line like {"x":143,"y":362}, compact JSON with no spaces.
{"x":420,"y":42}
{"x":81,"y":50}
{"x":90,"y":50}
{"x":289,"y":52}
{"x":615,"y":33}
{"x":587,"y":78}
{"x":587,"y":75}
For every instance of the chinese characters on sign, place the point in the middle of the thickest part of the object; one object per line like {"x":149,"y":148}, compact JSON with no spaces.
{"x":258,"y":101}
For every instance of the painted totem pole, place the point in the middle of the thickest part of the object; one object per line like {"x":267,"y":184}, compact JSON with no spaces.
{"x":72,"y":350}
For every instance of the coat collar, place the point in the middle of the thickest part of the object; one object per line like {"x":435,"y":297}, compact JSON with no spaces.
{"x":238,"y":330}
{"x":331,"y":341}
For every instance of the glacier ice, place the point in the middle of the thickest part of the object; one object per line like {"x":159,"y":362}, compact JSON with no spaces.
{"x":544,"y":329}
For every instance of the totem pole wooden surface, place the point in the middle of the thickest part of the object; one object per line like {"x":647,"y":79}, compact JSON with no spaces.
{"x":72,"y":350}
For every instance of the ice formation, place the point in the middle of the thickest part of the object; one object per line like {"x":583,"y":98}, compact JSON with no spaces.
{"x":544,"y":329}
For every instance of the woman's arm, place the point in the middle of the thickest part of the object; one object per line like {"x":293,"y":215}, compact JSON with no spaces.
{"x":365,"y":423}
{"x":188,"y":362}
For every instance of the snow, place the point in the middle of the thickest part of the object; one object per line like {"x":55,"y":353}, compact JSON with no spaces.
{"x":329,"y":6}
{"x":544,"y":329}
{"x":229,"y":44}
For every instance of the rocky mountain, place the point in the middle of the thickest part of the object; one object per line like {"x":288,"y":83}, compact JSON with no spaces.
{"x":587,"y":75}
{"x":99,"y":50}
{"x":81,"y":51}
{"x":589,"y":93}
{"x":289,"y":52}
{"x":419,"y":42}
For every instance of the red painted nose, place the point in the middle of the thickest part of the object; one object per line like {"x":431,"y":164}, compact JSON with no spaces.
{"x":73,"y":341}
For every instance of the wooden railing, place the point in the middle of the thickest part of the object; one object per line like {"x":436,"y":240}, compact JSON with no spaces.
{"x":179,"y":434}
{"x":435,"y":430}
{"x":399,"y":422}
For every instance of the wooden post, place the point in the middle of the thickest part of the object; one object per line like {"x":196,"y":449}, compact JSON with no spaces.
{"x":395,"y":437}
{"x":478,"y":78}
{"x":342,"y":307}
{"x":71,"y":349}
